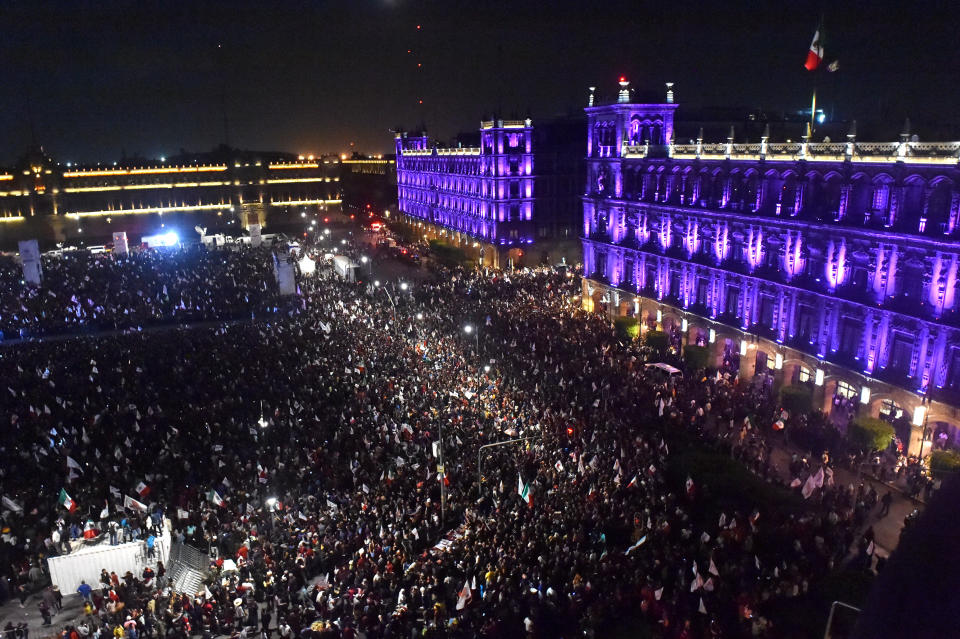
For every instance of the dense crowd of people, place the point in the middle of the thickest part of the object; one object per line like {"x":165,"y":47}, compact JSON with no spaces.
{"x":83,"y":292}
{"x":331,"y":453}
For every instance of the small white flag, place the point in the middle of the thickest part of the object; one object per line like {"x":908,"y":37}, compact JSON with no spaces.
{"x":713,"y":569}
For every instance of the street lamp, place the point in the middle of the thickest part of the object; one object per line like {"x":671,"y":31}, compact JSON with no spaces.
{"x":403,"y":286}
{"x":262,"y":422}
{"x":419,"y":316}
{"x":920,"y":416}
{"x":487,"y":447}
{"x":486,"y":371}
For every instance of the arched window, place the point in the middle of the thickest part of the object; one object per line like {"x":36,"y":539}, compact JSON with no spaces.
{"x":890,"y":410}
{"x":845,"y":390}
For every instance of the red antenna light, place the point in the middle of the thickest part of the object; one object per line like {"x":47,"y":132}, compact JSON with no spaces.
{"x":623,"y":79}
{"x":418,"y":27}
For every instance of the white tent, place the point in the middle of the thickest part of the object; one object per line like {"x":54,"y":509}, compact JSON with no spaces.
{"x":307,"y":266}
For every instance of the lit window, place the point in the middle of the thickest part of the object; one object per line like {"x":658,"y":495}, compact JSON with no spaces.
{"x":890,"y":409}
{"x":881,"y":196}
{"x":845,"y":390}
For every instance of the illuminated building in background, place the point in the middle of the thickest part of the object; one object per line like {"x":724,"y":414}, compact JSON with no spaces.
{"x":516,"y":187}
{"x":368,"y":182}
{"x":224,"y":185}
{"x":831,"y":264}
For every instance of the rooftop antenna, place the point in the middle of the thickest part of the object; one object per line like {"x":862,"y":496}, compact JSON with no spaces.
{"x":223,"y":94}
{"x":499,"y":80}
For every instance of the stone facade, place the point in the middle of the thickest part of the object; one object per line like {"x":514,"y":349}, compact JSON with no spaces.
{"x":39,"y":197}
{"x":837,"y":263}
{"x":490,"y":195}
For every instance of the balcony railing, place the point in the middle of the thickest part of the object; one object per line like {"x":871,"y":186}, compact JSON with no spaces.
{"x":909,"y":152}
{"x":910,"y":306}
{"x":189,"y":556}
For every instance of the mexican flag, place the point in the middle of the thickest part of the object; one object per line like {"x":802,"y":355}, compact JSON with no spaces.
{"x":215,"y":497}
{"x":815,"y":54}
{"x":524,"y":491}
{"x":133,"y":504}
{"x":142,"y":489}
{"x":65,"y":501}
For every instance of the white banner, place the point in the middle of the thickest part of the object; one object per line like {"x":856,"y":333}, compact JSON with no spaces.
{"x":30,"y":261}
{"x":254,"y":234}
{"x":120,"y":246}
{"x":284,"y":272}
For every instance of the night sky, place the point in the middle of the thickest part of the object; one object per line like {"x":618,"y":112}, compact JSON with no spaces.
{"x":99,"y":79}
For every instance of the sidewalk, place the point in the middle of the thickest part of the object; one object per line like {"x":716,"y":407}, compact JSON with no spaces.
{"x":11,"y":612}
{"x":886,"y":530}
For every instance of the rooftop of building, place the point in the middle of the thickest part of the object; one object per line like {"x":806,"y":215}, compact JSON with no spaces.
{"x":749,"y":125}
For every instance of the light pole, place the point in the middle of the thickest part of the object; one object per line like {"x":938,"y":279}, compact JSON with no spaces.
{"x":419,"y":324}
{"x":486,"y":370}
{"x":833,"y":609}
{"x":393,"y":306}
{"x":470,"y":329}
{"x":262,"y":422}
{"x":480,"y":458}
{"x":920,"y":416}
{"x":443,"y":479}
{"x":366,"y":260}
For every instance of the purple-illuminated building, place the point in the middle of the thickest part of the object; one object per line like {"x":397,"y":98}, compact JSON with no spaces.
{"x":828,"y":263}
{"x":518,"y":187}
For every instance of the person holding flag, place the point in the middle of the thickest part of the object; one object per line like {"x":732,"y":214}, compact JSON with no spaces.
{"x":65,"y":501}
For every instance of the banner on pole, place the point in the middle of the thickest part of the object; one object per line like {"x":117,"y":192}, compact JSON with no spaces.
{"x":120,"y":246}
{"x":30,"y":261}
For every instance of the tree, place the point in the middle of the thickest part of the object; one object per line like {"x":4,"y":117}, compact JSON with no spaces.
{"x":657,"y":341}
{"x":696,"y":357}
{"x":626,"y":328}
{"x":797,"y":399}
{"x":447,"y":254}
{"x":870,"y":433}
{"x":944,"y":463}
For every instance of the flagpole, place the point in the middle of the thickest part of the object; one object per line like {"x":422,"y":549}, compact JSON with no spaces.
{"x":813,"y":99}
{"x":813,"y":106}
